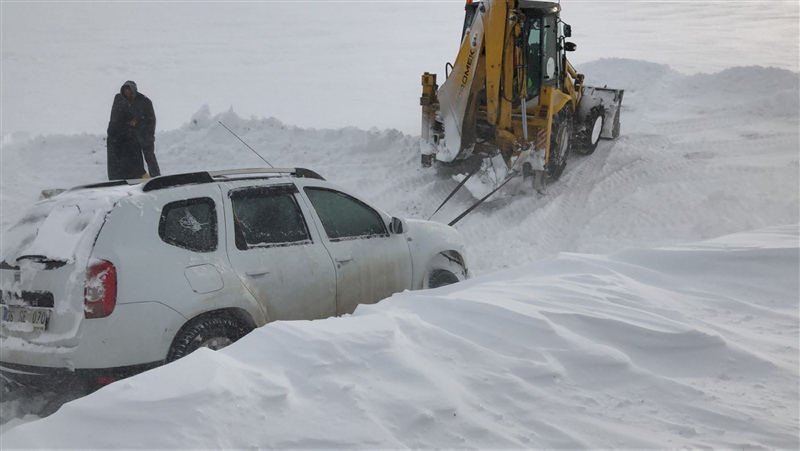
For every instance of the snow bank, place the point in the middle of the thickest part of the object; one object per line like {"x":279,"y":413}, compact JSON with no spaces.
{"x":700,"y":156}
{"x":690,"y":346}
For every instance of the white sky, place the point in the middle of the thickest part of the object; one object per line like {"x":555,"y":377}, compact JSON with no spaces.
{"x":324,"y":64}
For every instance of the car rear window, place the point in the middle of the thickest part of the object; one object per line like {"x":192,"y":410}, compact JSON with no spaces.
{"x":190,"y":224}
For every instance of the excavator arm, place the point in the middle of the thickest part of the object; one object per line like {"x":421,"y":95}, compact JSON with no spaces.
{"x":478,"y":66}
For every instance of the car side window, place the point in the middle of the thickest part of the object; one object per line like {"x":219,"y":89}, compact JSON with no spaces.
{"x":190,"y":224}
{"x":268,"y":216}
{"x":344,"y":216}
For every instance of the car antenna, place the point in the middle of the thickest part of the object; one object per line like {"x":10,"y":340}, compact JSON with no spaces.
{"x":248,"y":146}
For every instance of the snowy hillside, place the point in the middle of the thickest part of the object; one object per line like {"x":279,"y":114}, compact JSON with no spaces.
{"x":650,"y":299}
{"x":700,"y":156}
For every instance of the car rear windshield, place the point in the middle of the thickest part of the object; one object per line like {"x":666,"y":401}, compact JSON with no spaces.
{"x":62,"y":228}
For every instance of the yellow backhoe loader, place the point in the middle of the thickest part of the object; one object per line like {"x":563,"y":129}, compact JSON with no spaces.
{"x":511,"y":100}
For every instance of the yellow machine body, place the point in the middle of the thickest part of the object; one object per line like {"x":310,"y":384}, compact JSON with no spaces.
{"x":511,"y":91}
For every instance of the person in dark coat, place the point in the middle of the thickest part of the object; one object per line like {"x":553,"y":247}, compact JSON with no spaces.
{"x":131,"y":134}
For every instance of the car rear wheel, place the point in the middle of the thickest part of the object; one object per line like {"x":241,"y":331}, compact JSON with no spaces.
{"x":212,"y":332}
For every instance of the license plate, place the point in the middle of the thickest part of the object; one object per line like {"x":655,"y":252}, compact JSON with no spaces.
{"x":38,"y":317}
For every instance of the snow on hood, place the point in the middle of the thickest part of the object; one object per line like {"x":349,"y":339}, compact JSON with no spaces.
{"x":690,"y":346}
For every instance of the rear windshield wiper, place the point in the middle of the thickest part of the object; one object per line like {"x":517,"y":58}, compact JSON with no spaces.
{"x":49,"y":263}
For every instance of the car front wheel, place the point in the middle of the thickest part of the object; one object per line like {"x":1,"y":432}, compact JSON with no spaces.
{"x":443,"y":270}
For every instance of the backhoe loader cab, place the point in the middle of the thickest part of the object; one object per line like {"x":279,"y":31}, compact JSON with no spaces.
{"x":512,"y":93}
{"x":542,"y":52}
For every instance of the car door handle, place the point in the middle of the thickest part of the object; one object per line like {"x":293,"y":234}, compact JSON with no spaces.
{"x":257,"y":272}
{"x":344,"y":259}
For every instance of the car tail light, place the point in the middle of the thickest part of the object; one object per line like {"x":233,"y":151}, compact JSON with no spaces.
{"x":100,"y":291}
{"x":104,"y":380}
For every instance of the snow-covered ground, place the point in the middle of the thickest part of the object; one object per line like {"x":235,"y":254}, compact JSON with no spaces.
{"x":601,"y":314}
{"x":692,"y":346}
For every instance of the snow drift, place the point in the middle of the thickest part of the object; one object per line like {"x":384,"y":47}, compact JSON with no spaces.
{"x":688,"y":346}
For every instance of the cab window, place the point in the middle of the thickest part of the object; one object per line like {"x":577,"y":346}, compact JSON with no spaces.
{"x":268,"y":216}
{"x":345,"y":217}
{"x":533,"y":56}
{"x":190,"y":224}
{"x":550,"y":62}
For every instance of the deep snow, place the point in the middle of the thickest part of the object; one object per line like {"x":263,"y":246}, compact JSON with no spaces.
{"x":689,"y":345}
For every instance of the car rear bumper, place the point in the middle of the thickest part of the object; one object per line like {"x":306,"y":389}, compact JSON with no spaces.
{"x":63,"y":378}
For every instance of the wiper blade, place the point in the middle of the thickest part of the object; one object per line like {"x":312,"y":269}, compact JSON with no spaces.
{"x":49,"y":263}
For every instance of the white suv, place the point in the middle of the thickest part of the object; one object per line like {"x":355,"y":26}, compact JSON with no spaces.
{"x":108,"y":280}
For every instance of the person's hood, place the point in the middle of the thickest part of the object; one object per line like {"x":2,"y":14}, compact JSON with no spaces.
{"x":131,"y":84}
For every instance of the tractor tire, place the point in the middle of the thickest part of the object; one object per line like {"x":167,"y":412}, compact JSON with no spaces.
{"x":560,"y":144}
{"x":592,"y":127}
{"x":213,"y":332}
{"x":427,"y":161}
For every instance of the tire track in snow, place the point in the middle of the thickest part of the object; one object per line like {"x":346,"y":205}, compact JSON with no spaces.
{"x":703,"y":178}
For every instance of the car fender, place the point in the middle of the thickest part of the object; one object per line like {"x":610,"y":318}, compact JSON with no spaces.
{"x":426,"y":240}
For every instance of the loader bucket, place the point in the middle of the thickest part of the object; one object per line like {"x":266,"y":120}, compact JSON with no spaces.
{"x":611,"y":99}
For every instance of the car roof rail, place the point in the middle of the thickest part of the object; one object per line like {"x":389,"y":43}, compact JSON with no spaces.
{"x":168,"y":181}
{"x":193,"y":178}
{"x":297,"y":172}
{"x":106,"y":184}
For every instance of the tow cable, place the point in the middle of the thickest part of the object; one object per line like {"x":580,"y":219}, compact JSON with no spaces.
{"x":510,"y":176}
{"x":454,"y":191}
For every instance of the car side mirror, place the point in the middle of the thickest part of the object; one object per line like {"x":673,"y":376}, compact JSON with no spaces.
{"x":570,"y":46}
{"x":567,"y":31}
{"x":396,"y":226}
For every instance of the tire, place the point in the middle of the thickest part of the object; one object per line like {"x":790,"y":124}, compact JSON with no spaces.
{"x":213,"y":332}
{"x":442,"y":271}
{"x":440,"y":278}
{"x":560,"y":144}
{"x":427,"y":161}
{"x":591,"y":129}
